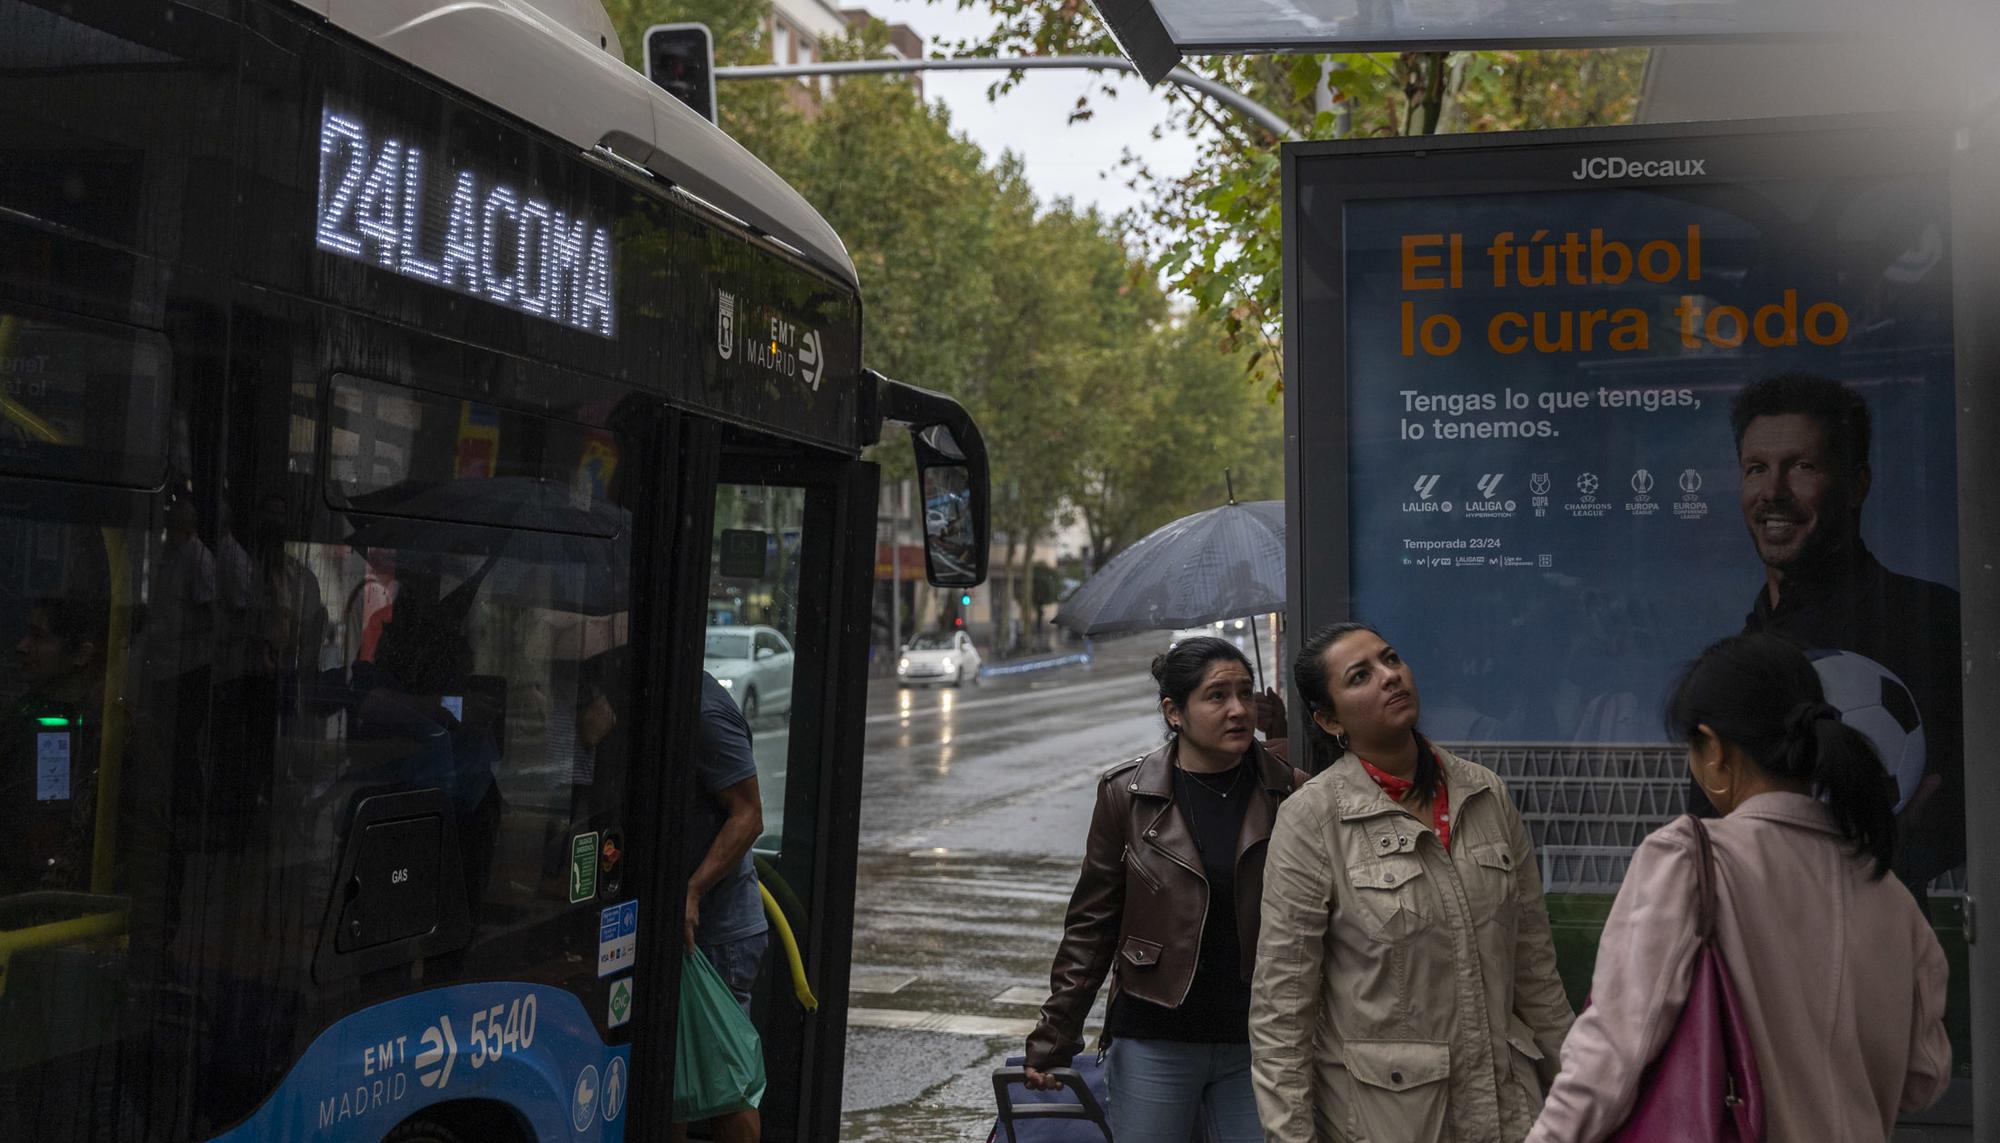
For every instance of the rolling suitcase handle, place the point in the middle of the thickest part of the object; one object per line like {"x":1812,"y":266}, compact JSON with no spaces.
{"x":1085,"y":1107}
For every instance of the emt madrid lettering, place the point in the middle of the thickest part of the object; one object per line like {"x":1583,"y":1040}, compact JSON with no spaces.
{"x":377,"y":205}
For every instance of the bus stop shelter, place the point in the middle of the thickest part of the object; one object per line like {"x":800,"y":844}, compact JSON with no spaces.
{"x":1748,"y":60}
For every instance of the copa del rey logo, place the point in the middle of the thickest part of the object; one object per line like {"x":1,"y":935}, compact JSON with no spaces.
{"x":1598,"y":167}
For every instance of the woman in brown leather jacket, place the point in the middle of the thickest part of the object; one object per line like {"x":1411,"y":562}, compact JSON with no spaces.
{"x":1168,"y":904}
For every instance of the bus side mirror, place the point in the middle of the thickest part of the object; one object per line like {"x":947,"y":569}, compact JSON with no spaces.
{"x":953,"y":475}
{"x":954,"y":532}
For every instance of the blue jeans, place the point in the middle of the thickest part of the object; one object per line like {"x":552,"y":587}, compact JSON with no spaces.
{"x":1158,"y":1088}
{"x":737,"y":963}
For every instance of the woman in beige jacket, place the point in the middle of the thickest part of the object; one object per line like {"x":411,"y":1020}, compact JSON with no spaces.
{"x":1840,"y":978}
{"x":1406,"y":987}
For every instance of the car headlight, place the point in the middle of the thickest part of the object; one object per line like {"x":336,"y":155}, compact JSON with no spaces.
{"x":726,"y":683}
{"x":949,"y":662}
{"x":902,"y":666}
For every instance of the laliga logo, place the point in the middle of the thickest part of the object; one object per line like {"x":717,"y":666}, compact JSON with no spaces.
{"x":1424,"y":486}
{"x":1601,"y":167}
{"x":1489,"y":484}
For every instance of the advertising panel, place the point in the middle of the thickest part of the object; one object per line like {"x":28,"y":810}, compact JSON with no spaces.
{"x":1567,"y":410}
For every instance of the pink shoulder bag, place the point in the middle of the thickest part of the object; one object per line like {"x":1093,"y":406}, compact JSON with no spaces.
{"x":1703,"y":1086}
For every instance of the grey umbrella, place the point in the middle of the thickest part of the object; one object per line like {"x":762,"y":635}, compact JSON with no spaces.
{"x":1224,"y":563}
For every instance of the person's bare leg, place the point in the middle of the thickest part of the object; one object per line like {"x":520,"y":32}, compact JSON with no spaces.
{"x":746,"y":1126}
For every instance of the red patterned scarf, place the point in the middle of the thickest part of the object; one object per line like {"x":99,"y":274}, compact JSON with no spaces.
{"x":1399,"y":788}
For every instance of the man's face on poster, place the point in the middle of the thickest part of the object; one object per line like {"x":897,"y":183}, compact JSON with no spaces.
{"x":1799,"y":499}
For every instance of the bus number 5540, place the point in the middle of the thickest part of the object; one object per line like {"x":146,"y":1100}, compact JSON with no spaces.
{"x":502,"y":1029}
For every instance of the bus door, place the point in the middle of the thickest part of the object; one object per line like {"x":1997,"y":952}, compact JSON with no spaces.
{"x":784,"y":637}
{"x":415,"y":827}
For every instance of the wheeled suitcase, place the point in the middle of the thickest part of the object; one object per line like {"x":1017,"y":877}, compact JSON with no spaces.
{"x":1072,"y":1114}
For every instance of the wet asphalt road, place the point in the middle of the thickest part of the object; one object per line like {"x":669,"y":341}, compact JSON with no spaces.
{"x":973,"y":815}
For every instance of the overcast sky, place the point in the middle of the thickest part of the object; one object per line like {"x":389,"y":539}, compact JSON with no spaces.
{"x":1077,"y":160}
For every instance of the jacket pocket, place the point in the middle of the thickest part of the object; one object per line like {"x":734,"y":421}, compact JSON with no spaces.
{"x":1391,"y":897}
{"x":1492,"y":887}
{"x":1400,"y":1088}
{"x":1138,"y":952}
{"x":1139,"y":869}
{"x":1531,"y":1069}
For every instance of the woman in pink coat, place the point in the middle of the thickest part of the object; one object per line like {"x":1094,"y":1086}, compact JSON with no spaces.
{"x":1841,"y":980}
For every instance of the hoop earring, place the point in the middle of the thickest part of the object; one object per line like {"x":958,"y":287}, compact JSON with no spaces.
{"x":1712,"y":791}
{"x":1340,"y":740}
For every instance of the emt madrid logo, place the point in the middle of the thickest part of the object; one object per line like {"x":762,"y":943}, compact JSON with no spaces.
{"x":1599,"y":167}
{"x":725,"y":324}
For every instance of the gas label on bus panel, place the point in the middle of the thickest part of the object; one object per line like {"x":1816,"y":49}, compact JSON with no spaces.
{"x":519,"y":1044}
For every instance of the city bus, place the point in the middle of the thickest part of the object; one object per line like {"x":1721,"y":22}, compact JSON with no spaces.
{"x":394,"y":396}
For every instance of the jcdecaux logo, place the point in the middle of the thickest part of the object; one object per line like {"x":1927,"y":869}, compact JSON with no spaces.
{"x":1599,"y":167}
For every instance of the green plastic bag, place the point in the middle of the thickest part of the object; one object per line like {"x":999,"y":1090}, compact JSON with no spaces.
{"x":718,"y":1060}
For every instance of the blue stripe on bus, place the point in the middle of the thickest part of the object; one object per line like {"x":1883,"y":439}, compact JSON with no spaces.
{"x":379,"y":1066}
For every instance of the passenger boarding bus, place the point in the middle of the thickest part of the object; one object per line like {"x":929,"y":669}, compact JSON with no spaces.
{"x":397,"y":396}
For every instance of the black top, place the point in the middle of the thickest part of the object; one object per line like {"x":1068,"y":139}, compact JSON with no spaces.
{"x":1910,"y":626}
{"x":1217,"y":1008}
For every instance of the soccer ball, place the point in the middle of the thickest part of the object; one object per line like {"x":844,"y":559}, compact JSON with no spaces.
{"x":1872,"y":700}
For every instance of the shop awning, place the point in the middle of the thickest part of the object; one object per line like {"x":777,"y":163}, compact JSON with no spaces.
{"x":1155,"y":34}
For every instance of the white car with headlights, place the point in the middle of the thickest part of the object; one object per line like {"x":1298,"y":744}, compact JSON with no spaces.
{"x":754,"y":664}
{"x":939,"y":657}
{"x":1236,"y":631}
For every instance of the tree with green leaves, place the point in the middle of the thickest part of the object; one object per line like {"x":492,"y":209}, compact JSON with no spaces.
{"x":1047,"y":321}
{"x":1216,"y":232}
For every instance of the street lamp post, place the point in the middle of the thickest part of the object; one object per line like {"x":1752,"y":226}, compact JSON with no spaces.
{"x":1263,"y":116}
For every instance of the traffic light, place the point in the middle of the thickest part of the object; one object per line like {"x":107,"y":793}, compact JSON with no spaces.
{"x":681,"y":59}
{"x":958,"y":621}
{"x":965,"y":600}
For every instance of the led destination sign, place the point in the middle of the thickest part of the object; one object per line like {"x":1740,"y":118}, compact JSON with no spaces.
{"x":383,"y":200}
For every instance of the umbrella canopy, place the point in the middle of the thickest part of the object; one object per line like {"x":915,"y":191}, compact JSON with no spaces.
{"x":1219,"y":564}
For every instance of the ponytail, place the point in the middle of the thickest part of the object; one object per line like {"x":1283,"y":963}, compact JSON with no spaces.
{"x":1846,"y":774}
{"x":1762,"y":694}
{"x":1314,"y":684}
